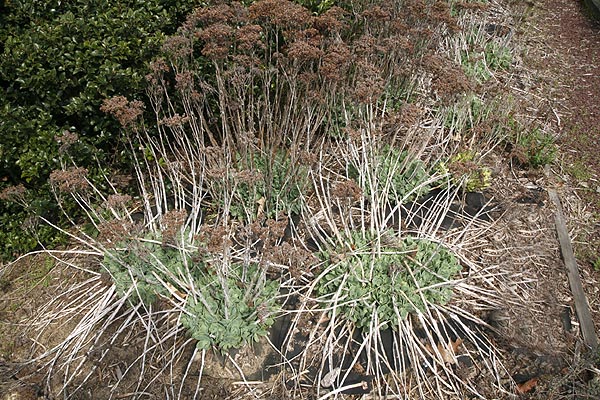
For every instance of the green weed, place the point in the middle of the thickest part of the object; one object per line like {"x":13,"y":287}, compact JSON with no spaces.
{"x":395,"y":173}
{"x":535,"y":149}
{"x":270,"y":185}
{"x":579,"y":171}
{"x":482,"y":64}
{"x":596,"y":264}
{"x":466,"y":171}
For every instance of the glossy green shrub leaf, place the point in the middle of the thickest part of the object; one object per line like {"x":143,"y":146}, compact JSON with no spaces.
{"x":22,"y":230}
{"x":58,"y":61}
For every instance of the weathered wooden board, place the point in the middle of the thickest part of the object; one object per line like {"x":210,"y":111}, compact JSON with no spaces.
{"x":581,"y":304}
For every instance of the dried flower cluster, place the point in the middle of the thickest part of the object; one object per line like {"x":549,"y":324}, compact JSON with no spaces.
{"x":347,"y":190}
{"x":410,"y":114}
{"x":71,"y":180}
{"x":264,"y":233}
{"x":441,"y":13}
{"x":369,"y":83}
{"x":284,"y":14}
{"x":268,"y":238}
{"x":332,"y":22}
{"x":304,"y":51}
{"x":117,"y":201}
{"x":178,"y":47}
{"x":214,"y":239}
{"x":172,"y":222}
{"x":249,"y":37}
{"x":377,"y":13}
{"x":111,"y":233}
{"x":298,"y":260}
{"x":216,"y":14}
{"x":14,"y":193}
{"x":66,"y":140}
{"x":125,"y":111}
{"x":217,"y":40}
{"x":336,"y":62}
{"x":449,"y":80}
{"x":174,"y":121}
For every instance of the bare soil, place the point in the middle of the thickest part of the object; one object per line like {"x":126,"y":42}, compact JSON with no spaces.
{"x":570,"y":55}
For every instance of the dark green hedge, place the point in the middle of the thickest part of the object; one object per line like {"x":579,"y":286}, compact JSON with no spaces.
{"x":58,"y":61}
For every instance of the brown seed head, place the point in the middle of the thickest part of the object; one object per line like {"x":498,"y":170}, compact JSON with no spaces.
{"x":72,"y":180}
{"x":347,"y":190}
{"x":126,"y":112}
{"x":13,"y":193}
{"x":171,"y":223}
{"x":66,"y":140}
{"x":332,"y":20}
{"x":281,"y":13}
{"x":249,"y":37}
{"x":336,"y":62}
{"x":115,"y":201}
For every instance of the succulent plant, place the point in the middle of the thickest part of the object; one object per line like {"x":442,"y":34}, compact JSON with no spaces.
{"x":389,"y":280}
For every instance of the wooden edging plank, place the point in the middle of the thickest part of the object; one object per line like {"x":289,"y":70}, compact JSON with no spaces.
{"x":581,"y":304}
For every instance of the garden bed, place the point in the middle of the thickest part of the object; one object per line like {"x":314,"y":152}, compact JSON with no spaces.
{"x":365,"y":214}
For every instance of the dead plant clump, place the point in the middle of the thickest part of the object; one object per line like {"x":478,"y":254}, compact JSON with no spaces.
{"x":307,"y":224}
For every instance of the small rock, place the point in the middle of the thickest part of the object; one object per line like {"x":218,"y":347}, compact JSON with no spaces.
{"x":330,"y":377}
